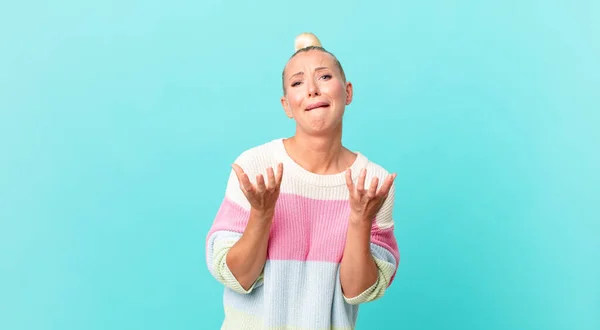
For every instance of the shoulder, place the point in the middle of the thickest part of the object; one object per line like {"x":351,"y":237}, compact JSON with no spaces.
{"x":384,"y":217}
{"x":377,"y":170}
{"x":256,"y":159}
{"x":374,"y":169}
{"x":258,"y":153}
{"x":253,"y":161}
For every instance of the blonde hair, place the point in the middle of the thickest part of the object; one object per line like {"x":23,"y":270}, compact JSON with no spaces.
{"x":305,"y":42}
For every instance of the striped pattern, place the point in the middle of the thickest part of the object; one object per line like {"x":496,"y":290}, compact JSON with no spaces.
{"x":299,"y":287}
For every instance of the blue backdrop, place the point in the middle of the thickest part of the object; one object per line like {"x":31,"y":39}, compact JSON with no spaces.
{"x":119,"y":121}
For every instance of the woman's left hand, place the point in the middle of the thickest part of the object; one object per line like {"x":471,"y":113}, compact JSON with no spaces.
{"x":365,"y":203}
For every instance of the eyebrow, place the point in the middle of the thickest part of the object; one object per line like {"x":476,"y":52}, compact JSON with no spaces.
{"x":301,"y":72}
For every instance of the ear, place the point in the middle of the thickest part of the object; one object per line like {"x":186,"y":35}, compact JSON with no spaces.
{"x":349,"y":93}
{"x":286,"y":107}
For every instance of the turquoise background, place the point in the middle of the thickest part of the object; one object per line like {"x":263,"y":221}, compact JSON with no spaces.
{"x":119,"y":120}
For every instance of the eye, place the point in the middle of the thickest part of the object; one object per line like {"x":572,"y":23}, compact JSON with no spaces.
{"x":294,"y":84}
{"x":326,"y":76}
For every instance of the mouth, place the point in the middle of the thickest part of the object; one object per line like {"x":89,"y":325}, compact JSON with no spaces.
{"x":317,"y":105}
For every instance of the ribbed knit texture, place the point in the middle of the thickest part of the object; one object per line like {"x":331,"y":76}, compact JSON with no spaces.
{"x":299,"y":287}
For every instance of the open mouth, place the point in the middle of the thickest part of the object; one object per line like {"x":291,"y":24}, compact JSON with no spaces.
{"x":317,"y":105}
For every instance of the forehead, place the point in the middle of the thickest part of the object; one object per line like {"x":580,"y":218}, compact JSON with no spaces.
{"x":310,"y":59}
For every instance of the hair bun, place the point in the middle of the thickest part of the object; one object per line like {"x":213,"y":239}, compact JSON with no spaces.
{"x":306,"y":39}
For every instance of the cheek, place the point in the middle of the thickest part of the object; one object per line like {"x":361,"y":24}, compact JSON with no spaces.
{"x":295,"y":100}
{"x":334,"y":90}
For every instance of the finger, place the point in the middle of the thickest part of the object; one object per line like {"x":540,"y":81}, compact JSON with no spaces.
{"x":271,"y":178}
{"x":360,"y":185}
{"x":387,"y":185}
{"x":246,"y":184}
{"x":260,"y":183}
{"x":243,"y":179}
{"x":373,"y":188}
{"x":279,"y":173}
{"x":238,"y":170}
{"x":349,"y":182}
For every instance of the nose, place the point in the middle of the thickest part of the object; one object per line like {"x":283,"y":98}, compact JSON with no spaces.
{"x":313,"y":88}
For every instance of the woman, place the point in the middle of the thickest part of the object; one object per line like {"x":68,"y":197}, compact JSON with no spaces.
{"x":305,"y":232}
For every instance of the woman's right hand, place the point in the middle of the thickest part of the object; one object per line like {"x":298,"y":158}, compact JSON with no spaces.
{"x":262,"y":196}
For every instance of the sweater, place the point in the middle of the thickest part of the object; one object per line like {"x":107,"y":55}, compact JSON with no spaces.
{"x":299,"y":285}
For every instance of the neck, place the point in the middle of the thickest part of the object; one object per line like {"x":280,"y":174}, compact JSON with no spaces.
{"x":322,"y":154}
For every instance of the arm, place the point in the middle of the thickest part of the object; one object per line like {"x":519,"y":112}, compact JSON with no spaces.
{"x":358,"y":270}
{"x":371,"y":253}
{"x":248,"y":255}
{"x":237,"y":242}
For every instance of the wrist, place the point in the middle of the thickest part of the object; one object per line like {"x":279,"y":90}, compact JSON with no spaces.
{"x":264,"y":216}
{"x":259,"y":226}
{"x":358,"y":239}
{"x":360,"y":220}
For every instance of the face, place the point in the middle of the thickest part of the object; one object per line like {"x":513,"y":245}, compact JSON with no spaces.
{"x":316,"y":94}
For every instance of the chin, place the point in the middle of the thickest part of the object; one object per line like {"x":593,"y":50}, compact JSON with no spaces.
{"x":321,"y":129}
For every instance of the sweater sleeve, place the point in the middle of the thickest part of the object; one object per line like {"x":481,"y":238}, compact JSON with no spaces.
{"x":384,"y":249}
{"x":227,"y":228}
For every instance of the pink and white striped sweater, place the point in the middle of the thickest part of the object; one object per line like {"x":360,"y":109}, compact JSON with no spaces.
{"x":299,"y":287}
